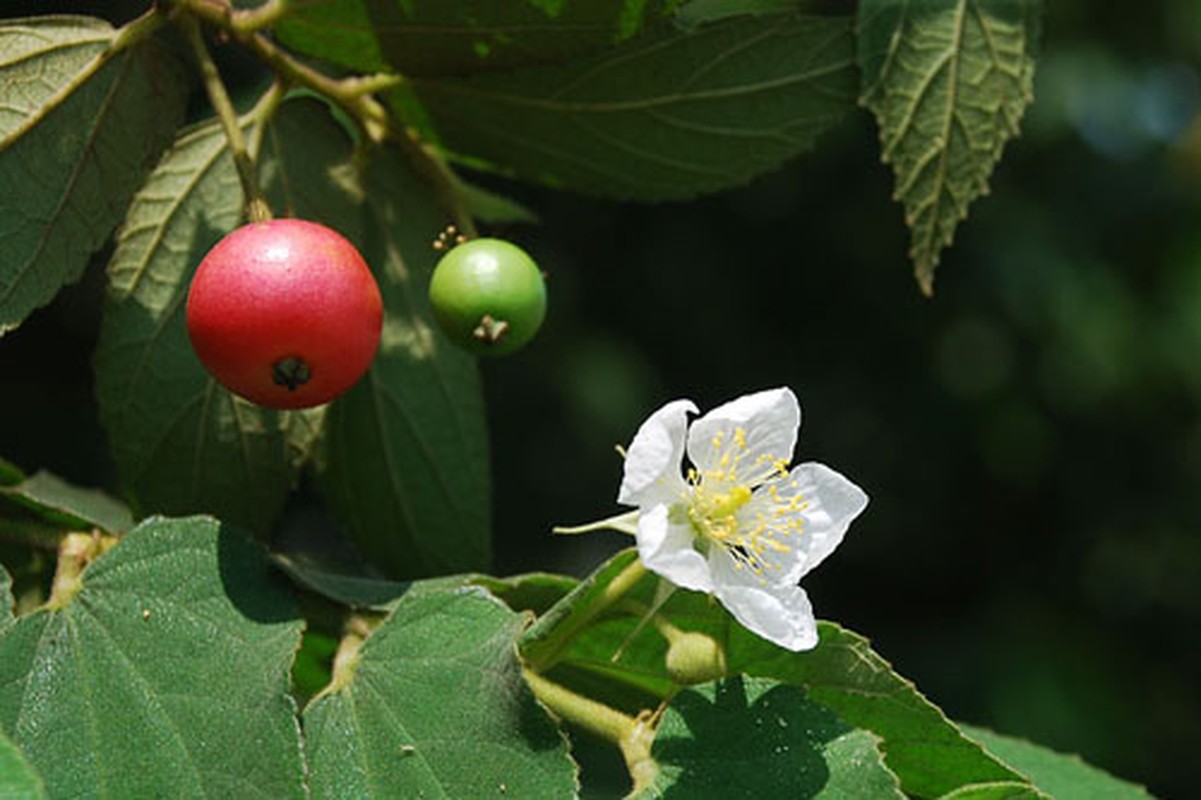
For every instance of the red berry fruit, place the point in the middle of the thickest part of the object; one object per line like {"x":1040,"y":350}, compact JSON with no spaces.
{"x":285,"y":313}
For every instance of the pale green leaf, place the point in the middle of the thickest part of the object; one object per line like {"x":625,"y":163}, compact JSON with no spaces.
{"x":68,"y":507}
{"x":18,"y":781}
{"x":1064,"y":777}
{"x":404,"y":456}
{"x":436,"y":707}
{"x":667,"y":115}
{"x":165,"y":676}
{"x":757,"y":738}
{"x":434,"y":37}
{"x":68,"y":161}
{"x":948,"y":81}
{"x":7,"y":603}
{"x":181,"y":442}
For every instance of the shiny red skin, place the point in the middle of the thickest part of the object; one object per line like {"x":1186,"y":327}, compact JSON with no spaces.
{"x":279,"y":289}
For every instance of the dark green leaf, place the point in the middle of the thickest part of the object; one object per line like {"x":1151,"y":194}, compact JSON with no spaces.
{"x":348,"y":588}
{"x":404,"y":457}
{"x":667,"y":115}
{"x":165,"y":676}
{"x":436,"y":707}
{"x":948,"y":81}
{"x":18,"y":781}
{"x":1064,"y":777}
{"x":925,"y":750}
{"x":79,"y":127}
{"x":535,"y":591}
{"x":10,"y":473}
{"x":181,"y":442}
{"x":998,"y":790}
{"x":754,"y":738}
{"x":434,"y":37}
{"x":68,"y":507}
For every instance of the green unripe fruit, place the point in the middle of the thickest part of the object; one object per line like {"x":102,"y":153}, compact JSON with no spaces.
{"x":488,"y":296}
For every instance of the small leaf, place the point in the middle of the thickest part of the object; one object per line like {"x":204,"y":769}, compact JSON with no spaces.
{"x":433,"y":37}
{"x":181,"y":442}
{"x":751,"y":737}
{"x":667,"y":115}
{"x":472,"y":730}
{"x":404,"y":458}
{"x":18,"y":781}
{"x":68,"y":507}
{"x":1064,"y":777}
{"x":153,"y":679}
{"x":79,"y":126}
{"x":948,"y":81}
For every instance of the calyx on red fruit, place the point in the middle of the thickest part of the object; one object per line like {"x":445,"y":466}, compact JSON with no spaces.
{"x":285,"y":313}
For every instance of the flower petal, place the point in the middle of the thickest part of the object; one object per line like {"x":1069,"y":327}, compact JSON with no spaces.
{"x":745,"y":438}
{"x":831,"y":503}
{"x":655,"y":458}
{"x":780,"y":614}
{"x":666,"y":548}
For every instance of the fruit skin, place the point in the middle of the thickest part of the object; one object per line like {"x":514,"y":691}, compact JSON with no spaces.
{"x":285,"y":313}
{"x":482,"y":283}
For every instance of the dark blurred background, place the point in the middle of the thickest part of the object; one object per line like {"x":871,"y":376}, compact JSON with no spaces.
{"x":1030,"y":437}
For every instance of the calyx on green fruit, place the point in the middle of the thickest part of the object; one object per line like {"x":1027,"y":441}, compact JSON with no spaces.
{"x":488,"y":296}
{"x":285,"y":313}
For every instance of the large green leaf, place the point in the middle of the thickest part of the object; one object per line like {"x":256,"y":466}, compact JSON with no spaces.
{"x":79,"y":126}
{"x":404,"y":455}
{"x":757,"y":738}
{"x":434,"y":37}
{"x":1064,"y":777}
{"x":948,"y":81}
{"x":666,"y":115}
{"x":181,"y":442}
{"x":18,"y":781}
{"x":924,"y":749}
{"x":436,"y":707}
{"x":165,"y":676}
{"x":64,"y":506}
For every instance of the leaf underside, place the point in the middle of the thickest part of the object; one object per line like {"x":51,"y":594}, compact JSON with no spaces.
{"x":948,"y":81}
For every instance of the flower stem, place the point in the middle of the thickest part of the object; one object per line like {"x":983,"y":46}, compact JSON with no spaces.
{"x":257,"y":209}
{"x":551,"y":648}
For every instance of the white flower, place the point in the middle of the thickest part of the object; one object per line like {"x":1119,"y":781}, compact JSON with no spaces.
{"x":738,"y":523}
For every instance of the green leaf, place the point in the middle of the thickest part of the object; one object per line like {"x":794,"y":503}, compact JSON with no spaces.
{"x":760,"y":738}
{"x":67,"y":507}
{"x":948,"y":81}
{"x":534,"y":591}
{"x":998,"y":790}
{"x":434,"y":37}
{"x":181,"y":442}
{"x":667,"y":115}
{"x":404,"y":459}
{"x":1064,"y":777}
{"x":158,"y":676}
{"x":10,"y":473}
{"x":921,"y":746}
{"x":79,"y":126}
{"x":18,"y":781}
{"x":472,"y":730}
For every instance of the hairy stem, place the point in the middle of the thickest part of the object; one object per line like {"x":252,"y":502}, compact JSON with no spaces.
{"x":561,"y":635}
{"x":257,"y":209}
